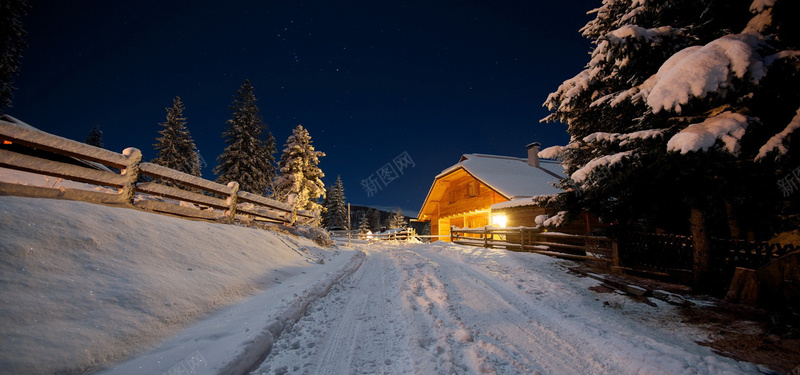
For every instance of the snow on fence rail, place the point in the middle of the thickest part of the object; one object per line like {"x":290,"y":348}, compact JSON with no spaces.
{"x":532,"y":239}
{"x":206,"y":199}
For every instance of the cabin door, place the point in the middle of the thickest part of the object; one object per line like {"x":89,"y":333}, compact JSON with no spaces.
{"x":444,"y":229}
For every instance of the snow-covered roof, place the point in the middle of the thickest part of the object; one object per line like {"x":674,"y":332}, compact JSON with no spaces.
{"x":513,"y":178}
{"x":516,"y":202}
{"x":509,"y":176}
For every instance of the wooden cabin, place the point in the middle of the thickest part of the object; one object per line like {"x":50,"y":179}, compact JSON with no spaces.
{"x":487,"y":189}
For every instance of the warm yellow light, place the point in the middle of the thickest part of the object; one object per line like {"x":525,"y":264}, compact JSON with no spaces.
{"x":499,"y":220}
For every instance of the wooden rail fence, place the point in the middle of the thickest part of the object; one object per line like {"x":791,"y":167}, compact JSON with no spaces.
{"x":209,"y":200}
{"x":534,"y":240}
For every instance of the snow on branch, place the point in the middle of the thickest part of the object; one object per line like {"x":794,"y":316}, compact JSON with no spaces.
{"x":552,"y":152}
{"x":555,"y":221}
{"x":568,"y":90}
{"x":604,"y":161}
{"x":623,"y":138}
{"x":760,"y":5}
{"x":699,"y":70}
{"x":638,"y":32}
{"x":729,"y":127}
{"x":776,"y":142}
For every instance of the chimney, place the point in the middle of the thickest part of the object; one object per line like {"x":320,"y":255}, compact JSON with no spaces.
{"x":533,"y":154}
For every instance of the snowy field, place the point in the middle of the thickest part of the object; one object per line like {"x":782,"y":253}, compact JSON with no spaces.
{"x":87,"y":286}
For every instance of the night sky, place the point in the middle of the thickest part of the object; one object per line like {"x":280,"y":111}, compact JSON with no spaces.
{"x":370,"y":80}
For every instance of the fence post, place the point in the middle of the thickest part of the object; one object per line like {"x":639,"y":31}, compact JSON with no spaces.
{"x":131,"y":173}
{"x":232,"y":199}
{"x":614,"y":254}
{"x":486,"y":236}
{"x":290,"y":201}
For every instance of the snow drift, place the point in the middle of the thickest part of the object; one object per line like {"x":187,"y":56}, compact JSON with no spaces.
{"x":84,"y":285}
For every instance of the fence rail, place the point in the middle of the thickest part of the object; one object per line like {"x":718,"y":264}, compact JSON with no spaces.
{"x":406,"y":234}
{"x":207,"y":199}
{"x":534,"y":240}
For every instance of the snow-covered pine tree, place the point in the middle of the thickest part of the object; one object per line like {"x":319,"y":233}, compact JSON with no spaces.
{"x":335,"y":215}
{"x":397,"y":220}
{"x":363,"y":224}
{"x":175,"y":147}
{"x":12,"y":41}
{"x":245,"y":158}
{"x":299,"y":172}
{"x":681,"y":113}
{"x":95,"y":137}
{"x":269,"y":172}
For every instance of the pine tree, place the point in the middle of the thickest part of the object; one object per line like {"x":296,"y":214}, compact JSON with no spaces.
{"x":11,"y":44}
{"x":246,"y":157}
{"x":363,"y":224}
{"x":374,"y":217}
{"x":269,"y":172}
{"x":679,"y":102}
{"x":397,"y":220}
{"x":175,"y":147}
{"x":299,"y":173}
{"x":95,"y":137}
{"x":335,"y":215}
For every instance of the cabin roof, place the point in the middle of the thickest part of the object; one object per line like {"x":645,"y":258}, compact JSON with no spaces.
{"x":511,"y":177}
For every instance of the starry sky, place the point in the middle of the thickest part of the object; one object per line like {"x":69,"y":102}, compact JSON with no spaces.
{"x":427,"y":80}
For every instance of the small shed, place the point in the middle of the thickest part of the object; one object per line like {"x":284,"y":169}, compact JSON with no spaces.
{"x":489,"y":189}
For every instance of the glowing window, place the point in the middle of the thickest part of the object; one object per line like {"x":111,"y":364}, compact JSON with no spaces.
{"x":499,"y":220}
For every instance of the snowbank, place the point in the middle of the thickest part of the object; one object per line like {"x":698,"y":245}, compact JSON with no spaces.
{"x":84,"y":285}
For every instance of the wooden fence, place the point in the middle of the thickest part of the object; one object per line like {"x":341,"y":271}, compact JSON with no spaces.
{"x":653,"y":255}
{"x":671,"y":253}
{"x":406,"y":234}
{"x":208,"y":199}
{"x":534,"y":240}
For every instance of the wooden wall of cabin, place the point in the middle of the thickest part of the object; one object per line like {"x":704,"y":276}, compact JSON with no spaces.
{"x":523,"y":216}
{"x":467,"y":194}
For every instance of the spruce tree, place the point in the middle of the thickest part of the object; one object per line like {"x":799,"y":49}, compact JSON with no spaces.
{"x":363,"y":224}
{"x":95,"y":137}
{"x":175,"y":147}
{"x":269,"y":172}
{"x":676,"y":113}
{"x":397,"y":220}
{"x":374,"y":217}
{"x":335,"y":215}
{"x":11,"y":44}
{"x":299,"y":173}
{"x":246,"y":157}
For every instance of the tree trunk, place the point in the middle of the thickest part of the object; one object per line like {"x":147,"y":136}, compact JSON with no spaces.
{"x":702,"y":249}
{"x":733,"y":224}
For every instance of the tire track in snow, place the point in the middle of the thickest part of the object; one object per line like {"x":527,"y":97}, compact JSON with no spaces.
{"x":520,"y":342}
{"x":355,"y":329}
{"x":439,"y":335}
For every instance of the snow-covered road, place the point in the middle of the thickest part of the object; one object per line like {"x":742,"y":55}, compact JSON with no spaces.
{"x":449,"y":309}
